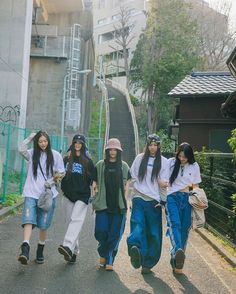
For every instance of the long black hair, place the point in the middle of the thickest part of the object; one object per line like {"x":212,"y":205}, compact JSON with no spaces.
{"x":156,"y":165}
{"x":37,"y":152}
{"x":83,"y":160}
{"x":188,"y":153}
{"x":118,"y":165}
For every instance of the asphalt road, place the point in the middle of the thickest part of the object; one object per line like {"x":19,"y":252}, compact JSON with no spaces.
{"x":205,"y":271}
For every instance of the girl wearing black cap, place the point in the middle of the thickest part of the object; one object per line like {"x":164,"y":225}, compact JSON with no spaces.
{"x":149,"y":173}
{"x":76,"y":189}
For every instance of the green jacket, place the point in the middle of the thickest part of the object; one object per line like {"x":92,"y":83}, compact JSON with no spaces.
{"x":99,"y":201}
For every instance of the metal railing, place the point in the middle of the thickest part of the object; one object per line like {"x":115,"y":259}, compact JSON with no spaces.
{"x":13,"y":167}
{"x":103,"y":89}
{"x":218,"y":180}
{"x":54,"y":47}
{"x":12,"y":163}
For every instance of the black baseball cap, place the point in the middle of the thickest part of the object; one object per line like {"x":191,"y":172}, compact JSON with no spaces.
{"x":153,"y":138}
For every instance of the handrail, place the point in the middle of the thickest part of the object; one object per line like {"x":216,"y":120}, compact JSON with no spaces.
{"x":215,"y":154}
{"x":103,"y":88}
{"x":125,"y":92}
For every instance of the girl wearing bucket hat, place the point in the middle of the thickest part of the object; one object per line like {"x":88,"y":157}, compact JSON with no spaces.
{"x":149,"y":172}
{"x":109,"y":202}
{"x":76,"y":193}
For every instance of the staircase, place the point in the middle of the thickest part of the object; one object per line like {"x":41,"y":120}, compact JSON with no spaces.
{"x":121,"y":123}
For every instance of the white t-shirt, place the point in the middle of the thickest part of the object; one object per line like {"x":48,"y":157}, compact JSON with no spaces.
{"x":189,"y":175}
{"x":148,"y":187}
{"x":34,"y":187}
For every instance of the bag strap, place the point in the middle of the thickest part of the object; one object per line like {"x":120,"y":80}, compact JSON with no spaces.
{"x":42,"y":171}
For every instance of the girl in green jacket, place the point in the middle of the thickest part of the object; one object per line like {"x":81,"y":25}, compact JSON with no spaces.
{"x":109,"y":202}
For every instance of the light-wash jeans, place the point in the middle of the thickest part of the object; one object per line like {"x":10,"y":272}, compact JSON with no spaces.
{"x":36,"y":216}
{"x":74,"y":214}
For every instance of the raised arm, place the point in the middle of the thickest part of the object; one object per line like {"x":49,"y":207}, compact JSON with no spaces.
{"x":23,"y":147}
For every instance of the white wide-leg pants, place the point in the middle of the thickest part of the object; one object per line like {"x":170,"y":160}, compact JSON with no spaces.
{"x":74,"y":214}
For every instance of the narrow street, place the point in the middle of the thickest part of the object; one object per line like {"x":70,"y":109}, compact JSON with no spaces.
{"x":205,"y":270}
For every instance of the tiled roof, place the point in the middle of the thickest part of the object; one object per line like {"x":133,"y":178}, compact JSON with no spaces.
{"x":205,"y":84}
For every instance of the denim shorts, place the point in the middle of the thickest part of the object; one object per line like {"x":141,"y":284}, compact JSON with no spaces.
{"x":34,"y":215}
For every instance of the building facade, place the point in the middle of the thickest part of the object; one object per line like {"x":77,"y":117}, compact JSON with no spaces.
{"x":198,"y":119}
{"x":107,"y":18}
{"x":47,"y":56}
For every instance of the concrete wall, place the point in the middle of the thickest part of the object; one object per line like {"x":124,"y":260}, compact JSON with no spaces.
{"x":45,"y":94}
{"x":47,"y":76}
{"x":15,"y":32}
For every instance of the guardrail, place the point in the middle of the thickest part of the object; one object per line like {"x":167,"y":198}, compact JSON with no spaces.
{"x":125,"y":92}
{"x":218,"y":180}
{"x":103,"y":89}
{"x":44,"y":46}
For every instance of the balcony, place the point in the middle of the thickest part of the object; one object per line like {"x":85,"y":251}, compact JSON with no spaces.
{"x":50,"y":47}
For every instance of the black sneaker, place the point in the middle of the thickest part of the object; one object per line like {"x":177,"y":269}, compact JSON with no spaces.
{"x":179,"y":259}
{"x":24,"y":255}
{"x":135,"y":257}
{"x":73,"y":259}
{"x":39,"y":254}
{"x":64,"y":250}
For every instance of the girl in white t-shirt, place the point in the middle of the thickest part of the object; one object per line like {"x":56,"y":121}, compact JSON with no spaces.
{"x":149,"y":173}
{"x":43,"y":163}
{"x":184,"y":174}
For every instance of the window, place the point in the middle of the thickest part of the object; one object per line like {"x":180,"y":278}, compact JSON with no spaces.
{"x":101,"y":21}
{"x":115,"y":17}
{"x":105,"y":37}
{"x":115,"y":55}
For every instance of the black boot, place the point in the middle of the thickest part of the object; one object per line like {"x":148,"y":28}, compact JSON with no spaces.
{"x":73,"y":259}
{"x":39,"y":254}
{"x":24,"y":255}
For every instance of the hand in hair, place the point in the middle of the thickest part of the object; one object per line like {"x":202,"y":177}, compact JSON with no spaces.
{"x":32,"y":135}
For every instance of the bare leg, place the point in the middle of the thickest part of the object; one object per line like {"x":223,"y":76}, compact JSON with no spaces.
{"x":42,"y":235}
{"x":27,"y":231}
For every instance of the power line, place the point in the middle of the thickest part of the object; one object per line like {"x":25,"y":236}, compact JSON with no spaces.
{"x":8,"y":65}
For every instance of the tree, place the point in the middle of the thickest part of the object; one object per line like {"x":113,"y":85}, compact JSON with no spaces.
{"x":217,"y":39}
{"x":123,"y":37}
{"x":165,"y":53}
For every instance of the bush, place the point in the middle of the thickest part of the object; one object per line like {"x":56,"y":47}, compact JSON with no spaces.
{"x":14,"y":177}
{"x":11,"y":199}
{"x":134,"y":100}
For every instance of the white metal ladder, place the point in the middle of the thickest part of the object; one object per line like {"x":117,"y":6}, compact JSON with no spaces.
{"x":73,"y":102}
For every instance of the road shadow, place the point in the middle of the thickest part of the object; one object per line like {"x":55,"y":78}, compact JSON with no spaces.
{"x":108,"y":282}
{"x":157,"y":284}
{"x":186,"y":284}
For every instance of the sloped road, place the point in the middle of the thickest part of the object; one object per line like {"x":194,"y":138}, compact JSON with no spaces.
{"x":205,"y":271}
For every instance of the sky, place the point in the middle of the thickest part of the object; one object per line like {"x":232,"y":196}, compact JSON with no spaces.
{"x":233,"y":8}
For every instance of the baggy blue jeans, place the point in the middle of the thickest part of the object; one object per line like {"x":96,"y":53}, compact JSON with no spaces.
{"x":178,"y":215}
{"x":146,"y":231}
{"x":109,"y":228}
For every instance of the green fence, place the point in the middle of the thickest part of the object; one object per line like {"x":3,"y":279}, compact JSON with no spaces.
{"x":13,"y":166}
